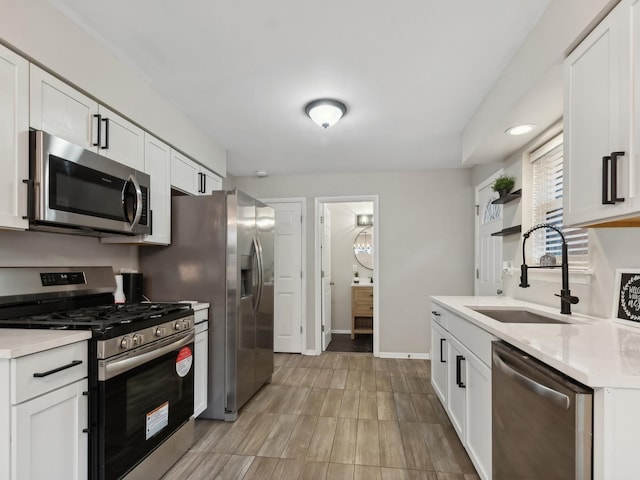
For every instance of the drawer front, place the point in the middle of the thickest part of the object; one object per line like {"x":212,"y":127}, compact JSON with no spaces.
{"x":477,"y":340}
{"x":363,"y":310}
{"x":52,"y":369}
{"x":200,"y":315}
{"x":439,"y":315}
{"x":363,"y":295}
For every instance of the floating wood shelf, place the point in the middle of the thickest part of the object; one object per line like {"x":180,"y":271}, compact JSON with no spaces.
{"x":508,"y":197}
{"x":508,"y":231}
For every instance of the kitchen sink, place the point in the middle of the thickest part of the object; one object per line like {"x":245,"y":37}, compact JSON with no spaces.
{"x":516,"y":316}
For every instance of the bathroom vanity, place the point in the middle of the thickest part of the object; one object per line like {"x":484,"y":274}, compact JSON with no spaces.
{"x":361,"y":309}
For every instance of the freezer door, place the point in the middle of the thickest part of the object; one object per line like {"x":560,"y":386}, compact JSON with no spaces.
{"x":241,"y":325}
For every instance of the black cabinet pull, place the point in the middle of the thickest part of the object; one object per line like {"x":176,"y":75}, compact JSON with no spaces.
{"x":436,"y":313}
{"x":614,"y":177}
{"x":199,"y":182}
{"x":30,"y":200}
{"x":150,"y":222}
{"x":605,"y":181}
{"x":442,"y":360}
{"x":459,"y":382}
{"x":99,"y":118}
{"x":204,"y":183}
{"x":106,"y":134}
{"x":85,"y":430}
{"x":56,"y":370}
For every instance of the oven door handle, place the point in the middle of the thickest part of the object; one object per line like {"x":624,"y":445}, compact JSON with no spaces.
{"x":557,"y":398}
{"x":123,"y":363}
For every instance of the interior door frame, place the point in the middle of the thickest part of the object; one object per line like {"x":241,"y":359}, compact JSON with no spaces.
{"x":303,"y":264}
{"x":317,"y":235}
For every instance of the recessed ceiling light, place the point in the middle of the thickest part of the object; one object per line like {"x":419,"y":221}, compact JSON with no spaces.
{"x":325,"y":111}
{"x":261,"y":173}
{"x":520,"y":129}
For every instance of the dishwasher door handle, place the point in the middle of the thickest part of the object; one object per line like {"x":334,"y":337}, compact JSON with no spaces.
{"x":555,"y":397}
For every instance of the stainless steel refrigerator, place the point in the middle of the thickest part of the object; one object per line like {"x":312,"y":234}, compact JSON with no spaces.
{"x":221,"y":252}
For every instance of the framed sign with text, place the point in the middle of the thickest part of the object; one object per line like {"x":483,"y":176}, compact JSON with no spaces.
{"x":626,"y":304}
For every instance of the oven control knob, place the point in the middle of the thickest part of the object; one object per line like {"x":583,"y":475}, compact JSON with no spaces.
{"x":185,"y":324}
{"x":178,"y":325}
{"x":125,"y":343}
{"x":160,"y":332}
{"x":137,"y":340}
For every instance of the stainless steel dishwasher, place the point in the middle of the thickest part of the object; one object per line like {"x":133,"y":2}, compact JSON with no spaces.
{"x":542,"y":420}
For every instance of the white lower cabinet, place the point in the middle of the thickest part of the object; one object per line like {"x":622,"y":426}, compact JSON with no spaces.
{"x":44,"y":415}
{"x":463,"y":382}
{"x":439,"y":363}
{"x":201,"y":366}
{"x":47,"y":435}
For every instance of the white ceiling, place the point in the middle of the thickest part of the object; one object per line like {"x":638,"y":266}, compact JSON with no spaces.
{"x":412,"y":73}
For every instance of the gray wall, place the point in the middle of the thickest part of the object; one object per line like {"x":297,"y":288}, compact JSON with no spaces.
{"x":426,"y":242}
{"x":24,"y":249}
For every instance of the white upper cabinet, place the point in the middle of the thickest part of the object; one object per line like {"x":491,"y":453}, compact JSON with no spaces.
{"x":192,"y":178}
{"x":64,"y":112}
{"x":601,"y":165}
{"x":14,"y":144}
{"x":61,"y":110}
{"x":119,"y":139}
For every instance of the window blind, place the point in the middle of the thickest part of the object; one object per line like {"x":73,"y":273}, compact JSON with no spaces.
{"x":547,"y":208}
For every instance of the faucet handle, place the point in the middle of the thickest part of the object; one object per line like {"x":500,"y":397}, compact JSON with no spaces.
{"x":567,"y":297}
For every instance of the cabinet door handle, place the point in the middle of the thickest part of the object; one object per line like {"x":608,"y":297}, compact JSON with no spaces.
{"x":30,"y":199}
{"x":204,"y":183}
{"x":436,"y":313}
{"x":98,"y":142}
{"x":614,"y":177}
{"x":199,"y":182}
{"x":56,"y":370}
{"x":442,"y":341}
{"x":459,"y":382}
{"x":106,"y":134}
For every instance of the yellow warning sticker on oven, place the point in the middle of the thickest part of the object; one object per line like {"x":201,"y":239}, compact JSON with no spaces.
{"x":184,"y":361}
{"x":157,"y":419}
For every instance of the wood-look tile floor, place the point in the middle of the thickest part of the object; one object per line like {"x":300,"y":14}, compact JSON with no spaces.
{"x":334,"y":416}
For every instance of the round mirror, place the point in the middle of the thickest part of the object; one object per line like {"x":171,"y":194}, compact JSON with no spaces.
{"x":363,"y":248}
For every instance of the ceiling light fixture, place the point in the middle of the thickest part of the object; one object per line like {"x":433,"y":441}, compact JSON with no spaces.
{"x":325,"y":111}
{"x":520,"y":129}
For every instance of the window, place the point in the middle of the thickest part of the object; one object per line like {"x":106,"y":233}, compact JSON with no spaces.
{"x":547,"y":208}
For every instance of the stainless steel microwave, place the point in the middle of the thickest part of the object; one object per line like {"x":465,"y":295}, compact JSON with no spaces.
{"x":74,"y":190}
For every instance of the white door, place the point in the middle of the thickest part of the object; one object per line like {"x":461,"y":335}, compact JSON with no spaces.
{"x":488,"y":272}
{"x":325,"y":255}
{"x":287,"y":298}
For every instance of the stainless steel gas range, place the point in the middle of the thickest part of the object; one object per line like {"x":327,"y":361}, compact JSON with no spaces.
{"x":140,"y":364}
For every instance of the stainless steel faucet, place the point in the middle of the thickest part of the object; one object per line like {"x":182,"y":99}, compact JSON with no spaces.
{"x":566,"y":299}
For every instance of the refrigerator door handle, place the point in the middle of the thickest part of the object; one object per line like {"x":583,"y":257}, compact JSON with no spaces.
{"x":258,"y":252}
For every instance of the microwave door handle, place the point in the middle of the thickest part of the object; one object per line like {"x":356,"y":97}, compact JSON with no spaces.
{"x":138,"y":210}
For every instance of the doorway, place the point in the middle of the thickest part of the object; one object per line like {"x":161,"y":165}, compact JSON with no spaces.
{"x":336,"y":231}
{"x":488,"y":272}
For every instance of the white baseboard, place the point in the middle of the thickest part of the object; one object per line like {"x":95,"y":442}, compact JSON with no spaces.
{"x":341,"y":331}
{"x":311,"y":352}
{"x":419,"y":356}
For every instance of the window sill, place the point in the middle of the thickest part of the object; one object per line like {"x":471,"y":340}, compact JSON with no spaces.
{"x":576,"y":276}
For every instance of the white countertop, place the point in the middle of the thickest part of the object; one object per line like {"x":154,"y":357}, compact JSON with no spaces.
{"x":369,"y":284}
{"x":597,"y":352}
{"x":18,"y":342}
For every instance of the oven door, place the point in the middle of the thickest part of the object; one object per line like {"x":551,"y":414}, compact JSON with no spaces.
{"x":74,"y":187}
{"x":143,"y":397}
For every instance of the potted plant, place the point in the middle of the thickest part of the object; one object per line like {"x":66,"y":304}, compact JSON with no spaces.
{"x":355,"y":277}
{"x":504,"y":184}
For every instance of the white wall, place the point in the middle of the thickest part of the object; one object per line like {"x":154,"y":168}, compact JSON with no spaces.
{"x":40,"y":249}
{"x":426,"y":242}
{"x":40,"y":31}
{"x":343,"y":234}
